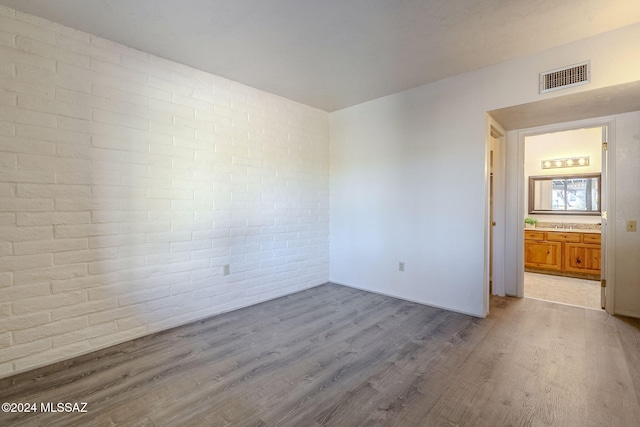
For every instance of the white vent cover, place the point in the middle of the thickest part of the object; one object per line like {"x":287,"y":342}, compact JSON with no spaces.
{"x":562,"y":78}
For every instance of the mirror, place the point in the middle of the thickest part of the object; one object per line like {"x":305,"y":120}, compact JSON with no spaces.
{"x":565,"y":194}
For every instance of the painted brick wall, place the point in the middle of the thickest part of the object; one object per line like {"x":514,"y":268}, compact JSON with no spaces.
{"x":126,"y":183}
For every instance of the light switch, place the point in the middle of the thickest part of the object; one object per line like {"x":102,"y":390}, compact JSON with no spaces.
{"x":632,"y":226}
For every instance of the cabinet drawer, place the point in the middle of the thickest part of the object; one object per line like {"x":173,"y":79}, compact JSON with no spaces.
{"x":533,"y":235}
{"x":563,"y":237}
{"x":591,"y":238}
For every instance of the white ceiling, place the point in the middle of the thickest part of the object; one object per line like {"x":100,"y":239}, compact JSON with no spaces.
{"x":333,"y":54}
{"x":606,"y":101}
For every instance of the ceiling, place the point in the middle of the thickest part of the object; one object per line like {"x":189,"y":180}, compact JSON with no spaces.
{"x":618,"y":99}
{"x":332,"y":54}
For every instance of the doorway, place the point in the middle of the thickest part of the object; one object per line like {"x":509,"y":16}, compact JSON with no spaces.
{"x":564,"y":199}
{"x":617,"y":109}
{"x":495,"y":280}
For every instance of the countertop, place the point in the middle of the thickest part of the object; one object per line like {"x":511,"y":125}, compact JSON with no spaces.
{"x":566,"y":230}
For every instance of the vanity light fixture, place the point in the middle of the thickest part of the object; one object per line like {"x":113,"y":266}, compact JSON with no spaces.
{"x":570,"y":162}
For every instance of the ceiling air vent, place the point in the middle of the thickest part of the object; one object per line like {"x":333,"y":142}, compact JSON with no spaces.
{"x":562,"y":78}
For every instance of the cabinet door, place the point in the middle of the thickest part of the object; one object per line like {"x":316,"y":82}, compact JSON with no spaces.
{"x":582,"y":258}
{"x":546,"y":255}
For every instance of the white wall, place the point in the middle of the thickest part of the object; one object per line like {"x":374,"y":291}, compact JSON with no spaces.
{"x":127,"y":181}
{"x":403,"y":190}
{"x":560,"y":145}
{"x":627,"y":244}
{"x":408,"y":178}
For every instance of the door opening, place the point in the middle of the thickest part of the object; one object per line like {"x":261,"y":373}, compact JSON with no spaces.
{"x":495,"y":276}
{"x":565,"y":208}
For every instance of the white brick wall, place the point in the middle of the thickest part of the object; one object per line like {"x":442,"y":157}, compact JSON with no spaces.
{"x":127,"y":181}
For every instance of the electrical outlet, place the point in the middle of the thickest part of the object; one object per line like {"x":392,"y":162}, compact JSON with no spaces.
{"x":632,"y":226}
{"x":401,"y":266}
{"x":227,"y":270}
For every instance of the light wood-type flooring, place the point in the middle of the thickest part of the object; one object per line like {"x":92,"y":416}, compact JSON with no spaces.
{"x":335,"y":356}
{"x":565,"y":290}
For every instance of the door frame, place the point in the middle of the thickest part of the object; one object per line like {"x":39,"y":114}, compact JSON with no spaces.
{"x":608,"y":205}
{"x":495,"y":248}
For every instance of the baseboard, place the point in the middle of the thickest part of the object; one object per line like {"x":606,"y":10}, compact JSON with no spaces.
{"x":409,"y":299}
{"x":627,"y":314}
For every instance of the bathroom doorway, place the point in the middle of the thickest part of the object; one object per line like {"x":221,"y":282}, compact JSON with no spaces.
{"x":563,"y":199}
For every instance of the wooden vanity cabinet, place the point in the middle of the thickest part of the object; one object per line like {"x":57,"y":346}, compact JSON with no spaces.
{"x":566,"y":253}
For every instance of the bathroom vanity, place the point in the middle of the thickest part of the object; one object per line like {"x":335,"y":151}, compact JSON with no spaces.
{"x":572,"y":253}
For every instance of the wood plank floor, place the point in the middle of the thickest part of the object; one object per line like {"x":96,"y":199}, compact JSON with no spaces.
{"x":335,"y":356}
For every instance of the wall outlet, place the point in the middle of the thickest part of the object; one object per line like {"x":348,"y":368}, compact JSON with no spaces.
{"x":632,"y":226}
{"x":401,"y":266}
{"x":226,"y":270}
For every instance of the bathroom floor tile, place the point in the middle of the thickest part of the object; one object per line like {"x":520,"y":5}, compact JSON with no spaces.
{"x":565,"y":290}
